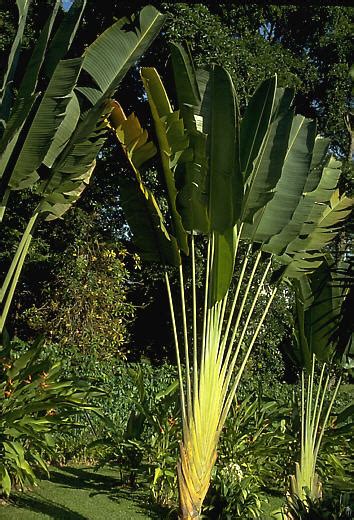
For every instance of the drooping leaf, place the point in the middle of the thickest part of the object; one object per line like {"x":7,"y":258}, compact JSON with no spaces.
{"x":145,"y":220}
{"x":132,"y":137}
{"x":59,"y":202}
{"x":173,"y":143}
{"x":140,"y":207}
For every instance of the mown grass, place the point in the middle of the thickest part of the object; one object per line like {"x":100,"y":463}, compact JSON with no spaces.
{"x":81,"y":493}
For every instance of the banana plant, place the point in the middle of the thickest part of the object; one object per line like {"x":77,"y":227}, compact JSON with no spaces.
{"x":319,"y":299}
{"x":265,"y":180}
{"x":50,"y":135}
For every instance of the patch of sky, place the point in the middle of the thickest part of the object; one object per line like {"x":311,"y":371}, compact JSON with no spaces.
{"x":67,"y":4}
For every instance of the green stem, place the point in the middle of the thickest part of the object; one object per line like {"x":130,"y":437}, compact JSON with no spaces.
{"x":317,"y":411}
{"x":302,"y":412}
{"x":4,"y":203}
{"x":179,"y":366}
{"x":244,"y":362}
{"x":310,"y":397}
{"x":206,"y":303}
{"x":329,"y":409}
{"x":16,"y":258}
{"x":14,"y":282}
{"x":249,"y":316}
{"x":239,"y":283}
{"x":238,"y":319}
{"x":195,"y":332}
{"x":14,"y":272}
{"x":186,"y":344}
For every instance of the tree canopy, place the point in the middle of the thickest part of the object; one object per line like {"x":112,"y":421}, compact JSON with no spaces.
{"x":308,"y":47}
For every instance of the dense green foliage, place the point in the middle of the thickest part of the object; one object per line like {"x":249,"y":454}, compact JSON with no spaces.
{"x":83,"y":287}
{"x":86,"y":306}
{"x":36,"y":403}
{"x":249,"y":40}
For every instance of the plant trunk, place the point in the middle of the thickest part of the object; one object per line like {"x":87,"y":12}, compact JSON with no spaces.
{"x":189,"y":506}
{"x":193,"y":482}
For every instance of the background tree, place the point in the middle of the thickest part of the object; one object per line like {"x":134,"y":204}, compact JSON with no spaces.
{"x":308,"y":46}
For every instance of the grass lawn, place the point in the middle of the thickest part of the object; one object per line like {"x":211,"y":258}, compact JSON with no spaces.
{"x":81,"y":493}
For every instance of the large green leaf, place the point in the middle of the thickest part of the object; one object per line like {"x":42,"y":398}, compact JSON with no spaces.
{"x":111,"y":55}
{"x":192,"y":175}
{"x":217,"y":118}
{"x":173,"y":143}
{"x":309,"y":208}
{"x":223,"y":263}
{"x":289,"y":189}
{"x":63,"y":38}
{"x":72,"y":169}
{"x":303,"y":254}
{"x":146,"y":222}
{"x":255,"y":124}
{"x":326,"y":226}
{"x":24,"y":109}
{"x":29,"y":81}
{"x":191,"y":182}
{"x":49,"y":115}
{"x":319,"y":158}
{"x":106,"y":60}
{"x":6,"y":89}
{"x":261,"y":185}
{"x":225,"y":181}
{"x":64,"y":132}
{"x":319,"y":299}
{"x":184,"y":76}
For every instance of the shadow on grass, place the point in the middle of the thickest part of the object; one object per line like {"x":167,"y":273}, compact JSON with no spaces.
{"x":112,"y":487}
{"x":81,"y":478}
{"x":47,"y":507}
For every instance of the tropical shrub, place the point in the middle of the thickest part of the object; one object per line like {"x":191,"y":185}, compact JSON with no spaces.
{"x":319,"y":299}
{"x":36,"y":402}
{"x":149,"y":442}
{"x":333,"y":508}
{"x":85,"y":308}
{"x":253,"y":457}
{"x":235,"y":492}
